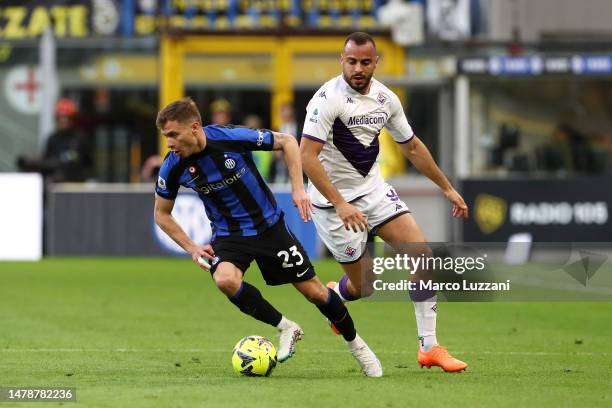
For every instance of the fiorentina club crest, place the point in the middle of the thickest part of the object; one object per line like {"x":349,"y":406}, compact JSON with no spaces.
{"x":350,"y":251}
{"x":381,"y":98}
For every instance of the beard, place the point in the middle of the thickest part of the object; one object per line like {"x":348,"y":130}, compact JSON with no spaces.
{"x":358,"y":87}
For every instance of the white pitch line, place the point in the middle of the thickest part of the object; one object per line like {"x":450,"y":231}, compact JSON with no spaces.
{"x":197,"y":350}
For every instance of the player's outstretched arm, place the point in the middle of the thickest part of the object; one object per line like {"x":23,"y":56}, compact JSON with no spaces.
{"x":419,"y":155}
{"x":291,"y":153}
{"x":165,"y":221}
{"x":350,"y":216}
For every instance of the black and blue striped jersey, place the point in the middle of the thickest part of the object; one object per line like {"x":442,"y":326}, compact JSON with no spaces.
{"x":236,"y":198}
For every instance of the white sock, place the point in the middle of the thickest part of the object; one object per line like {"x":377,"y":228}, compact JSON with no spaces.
{"x":425,"y":313}
{"x":355,"y":343}
{"x":284,"y":324}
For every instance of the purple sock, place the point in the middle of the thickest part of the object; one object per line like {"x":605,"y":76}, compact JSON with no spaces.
{"x":344,"y":289}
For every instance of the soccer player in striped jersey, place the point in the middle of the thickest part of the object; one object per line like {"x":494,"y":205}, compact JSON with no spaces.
{"x":216,"y":162}
{"x":339,"y":149}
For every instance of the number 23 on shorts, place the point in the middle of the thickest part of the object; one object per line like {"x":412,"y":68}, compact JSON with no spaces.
{"x":293,"y":253}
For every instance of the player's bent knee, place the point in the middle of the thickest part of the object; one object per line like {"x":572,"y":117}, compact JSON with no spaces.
{"x":227,"y":284}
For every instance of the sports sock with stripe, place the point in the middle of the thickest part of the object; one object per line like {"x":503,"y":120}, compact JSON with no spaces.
{"x":342,"y":290}
{"x":250,"y":301}
{"x":339,"y":315}
{"x":425,"y":311}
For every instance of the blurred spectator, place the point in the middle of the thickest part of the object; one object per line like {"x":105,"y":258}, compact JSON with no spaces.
{"x":253,"y":121}
{"x":601,"y":145}
{"x":508,"y":142}
{"x":278,"y":169}
{"x":568,"y":151}
{"x":221,"y":112}
{"x":67,"y":156}
{"x":150,"y":169}
{"x":288,"y":121}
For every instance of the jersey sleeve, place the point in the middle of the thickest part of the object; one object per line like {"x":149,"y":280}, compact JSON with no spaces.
{"x":240,"y":138}
{"x":320,"y":116}
{"x":398,"y":125}
{"x":167,"y":185}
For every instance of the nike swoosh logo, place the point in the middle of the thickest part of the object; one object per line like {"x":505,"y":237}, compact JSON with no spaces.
{"x":193,"y":179}
{"x":299,"y":275}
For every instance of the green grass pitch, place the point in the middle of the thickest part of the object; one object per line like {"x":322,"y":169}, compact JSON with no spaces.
{"x":156,"y":333}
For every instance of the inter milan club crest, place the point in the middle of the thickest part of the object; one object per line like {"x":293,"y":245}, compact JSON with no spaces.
{"x":192,"y":169}
{"x":230,"y":164}
{"x":381,"y":98}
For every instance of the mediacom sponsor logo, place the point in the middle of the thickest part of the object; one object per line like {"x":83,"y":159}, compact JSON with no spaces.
{"x":366,"y":120}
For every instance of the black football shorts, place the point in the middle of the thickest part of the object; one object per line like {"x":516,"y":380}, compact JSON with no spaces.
{"x":279,"y":255}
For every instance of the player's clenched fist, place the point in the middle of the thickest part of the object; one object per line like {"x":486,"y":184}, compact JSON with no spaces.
{"x":205,"y":251}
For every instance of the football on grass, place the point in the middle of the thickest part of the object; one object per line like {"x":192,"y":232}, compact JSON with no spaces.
{"x":254,"y":356}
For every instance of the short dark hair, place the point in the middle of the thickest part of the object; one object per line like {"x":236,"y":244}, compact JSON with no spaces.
{"x":182,"y":110}
{"x":359,"y":38}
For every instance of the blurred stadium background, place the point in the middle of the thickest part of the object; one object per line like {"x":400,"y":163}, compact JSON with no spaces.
{"x":512,"y":97}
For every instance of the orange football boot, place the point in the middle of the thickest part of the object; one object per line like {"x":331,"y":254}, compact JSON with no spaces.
{"x":331,"y":285}
{"x":438,"y":356}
